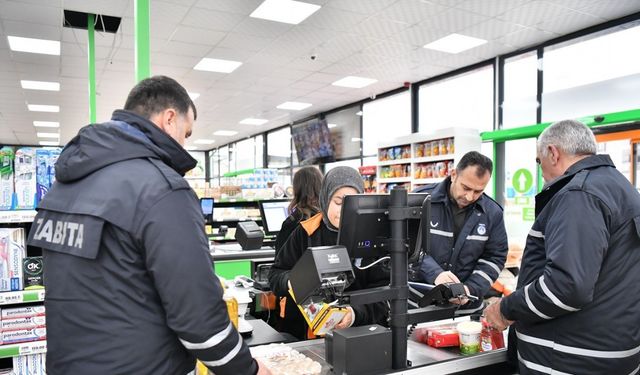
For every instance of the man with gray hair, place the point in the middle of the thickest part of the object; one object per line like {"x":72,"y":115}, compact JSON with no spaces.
{"x":577,"y":305}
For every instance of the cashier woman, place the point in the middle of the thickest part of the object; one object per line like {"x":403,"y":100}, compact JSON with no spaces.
{"x":322,"y":230}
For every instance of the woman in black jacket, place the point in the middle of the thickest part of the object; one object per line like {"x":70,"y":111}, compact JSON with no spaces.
{"x":322,"y":230}
{"x":306,"y":189}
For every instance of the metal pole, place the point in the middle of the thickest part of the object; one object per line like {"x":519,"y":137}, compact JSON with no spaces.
{"x":142,"y":49}
{"x":399,"y":279}
{"x":92,"y":67}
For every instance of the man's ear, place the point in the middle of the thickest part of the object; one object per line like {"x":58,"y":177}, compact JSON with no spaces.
{"x":165,"y":120}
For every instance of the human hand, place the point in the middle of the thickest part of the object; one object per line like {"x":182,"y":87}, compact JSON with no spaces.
{"x":461,"y":301}
{"x":495,"y":318}
{"x":347,"y":320}
{"x":262,"y":369}
{"x":446,"y":277}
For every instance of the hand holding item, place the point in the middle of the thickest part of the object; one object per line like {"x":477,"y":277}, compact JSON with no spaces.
{"x":347,"y":320}
{"x":495,"y":318}
{"x":446,"y":277}
{"x":461,"y":301}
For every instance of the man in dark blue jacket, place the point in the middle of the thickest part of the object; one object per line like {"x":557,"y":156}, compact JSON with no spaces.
{"x":577,"y":305}
{"x":468,"y":237}
{"x":130,"y":287}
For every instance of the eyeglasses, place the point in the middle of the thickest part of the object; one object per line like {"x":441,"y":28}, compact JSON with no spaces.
{"x":538,"y":161}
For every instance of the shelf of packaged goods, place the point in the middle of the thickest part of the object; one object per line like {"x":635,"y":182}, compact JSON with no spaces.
{"x":24,"y":348}
{"x":394,"y":162}
{"x":18,"y":216}
{"x":393,"y":180}
{"x":432,"y":159}
{"x":22,"y":296}
{"x":422,"y":181}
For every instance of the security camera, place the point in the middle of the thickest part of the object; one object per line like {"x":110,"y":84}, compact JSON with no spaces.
{"x":372,"y":96}
{"x":313,"y":57}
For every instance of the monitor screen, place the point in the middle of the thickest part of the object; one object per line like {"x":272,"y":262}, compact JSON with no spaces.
{"x":312,"y":140}
{"x":206,"y":204}
{"x":274,"y":213}
{"x":364,"y":225}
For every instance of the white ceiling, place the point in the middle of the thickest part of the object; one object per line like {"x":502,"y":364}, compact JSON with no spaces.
{"x":380,"y":39}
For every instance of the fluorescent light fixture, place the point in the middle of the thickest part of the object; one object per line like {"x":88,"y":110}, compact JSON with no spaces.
{"x":191,"y":148}
{"x":356,"y":139}
{"x":285,"y":11}
{"x":49,"y":143}
{"x":455,"y":43}
{"x":354,"y":82}
{"x":359,"y":113}
{"x":40,"y":85}
{"x":294,"y":106}
{"x":217,"y":65}
{"x":46,"y":124}
{"x":225,"y":133}
{"x":193,"y":95}
{"x":330,"y":126}
{"x":48,"y":135}
{"x":47,"y":47}
{"x":204,"y":141}
{"x":253,"y":121}
{"x":43,"y":108}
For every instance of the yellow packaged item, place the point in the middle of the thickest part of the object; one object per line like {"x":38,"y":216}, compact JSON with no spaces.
{"x":321,"y":317}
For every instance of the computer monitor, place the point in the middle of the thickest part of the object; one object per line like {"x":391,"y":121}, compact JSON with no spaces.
{"x":364,"y":225}
{"x":274,"y":213}
{"x":206,"y":205}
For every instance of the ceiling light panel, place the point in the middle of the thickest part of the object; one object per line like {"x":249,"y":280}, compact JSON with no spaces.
{"x":294,"y":106}
{"x":46,"y":124}
{"x":31,"y":45}
{"x":49,"y":143}
{"x":48,"y":135}
{"x":193,"y":95}
{"x":354,"y":82}
{"x":285,"y":11}
{"x":225,"y":133}
{"x":217,"y":65}
{"x":253,"y":121}
{"x":204,"y":141}
{"x":43,"y":108}
{"x":455,"y":43}
{"x":40,"y":85}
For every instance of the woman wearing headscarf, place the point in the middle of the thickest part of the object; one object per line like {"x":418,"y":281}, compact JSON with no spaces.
{"x":322,"y":230}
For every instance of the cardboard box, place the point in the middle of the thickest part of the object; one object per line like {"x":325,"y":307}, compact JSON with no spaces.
{"x":6,"y":178}
{"x":23,"y":335}
{"x":440,"y":337}
{"x":32,"y":268}
{"x":21,"y":312}
{"x":25,"y":178}
{"x":12,"y":252}
{"x":22,"y":323}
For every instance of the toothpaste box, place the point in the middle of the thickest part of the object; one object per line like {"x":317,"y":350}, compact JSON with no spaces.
{"x":43,"y":363}
{"x":53,"y":158}
{"x":22,"y":323}
{"x":42,"y":173}
{"x":25,"y":178}
{"x":6,"y":178}
{"x":34,"y":366}
{"x":32,"y":268}
{"x":21,"y":312}
{"x":12,"y":252}
{"x":23,"y":335}
{"x":20,"y":365}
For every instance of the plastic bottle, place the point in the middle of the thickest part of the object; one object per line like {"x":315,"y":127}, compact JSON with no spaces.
{"x":232,"y":308}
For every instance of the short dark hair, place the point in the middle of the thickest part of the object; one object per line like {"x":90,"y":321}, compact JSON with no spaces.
{"x":154,"y":95}
{"x":475,"y":159}
{"x":306,"y":191}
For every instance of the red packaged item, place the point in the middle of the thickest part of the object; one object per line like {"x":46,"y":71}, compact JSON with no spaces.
{"x":443,"y":336}
{"x":490,"y":338}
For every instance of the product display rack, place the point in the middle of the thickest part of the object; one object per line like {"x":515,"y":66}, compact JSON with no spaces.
{"x":423,"y":158}
{"x":22,"y":296}
{"x":17,"y":216}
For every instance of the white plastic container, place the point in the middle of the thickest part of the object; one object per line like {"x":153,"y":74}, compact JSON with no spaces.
{"x":469,"y":333}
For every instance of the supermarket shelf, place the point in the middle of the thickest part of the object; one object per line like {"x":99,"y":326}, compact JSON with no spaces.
{"x":22,"y":296}
{"x":421,"y":181}
{"x":431,"y":159}
{"x":393,"y":180}
{"x":394,"y":162}
{"x":18,"y":216}
{"x":25,"y":348}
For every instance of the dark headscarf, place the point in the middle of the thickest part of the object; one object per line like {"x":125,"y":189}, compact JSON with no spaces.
{"x":335,"y":179}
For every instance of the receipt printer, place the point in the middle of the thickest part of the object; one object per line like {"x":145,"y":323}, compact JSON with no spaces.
{"x":249,"y":235}
{"x":359,"y":350}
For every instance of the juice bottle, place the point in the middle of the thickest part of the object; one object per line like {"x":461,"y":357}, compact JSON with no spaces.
{"x":232,"y":308}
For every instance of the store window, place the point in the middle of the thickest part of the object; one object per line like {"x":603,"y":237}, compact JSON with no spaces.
{"x":353,"y":163}
{"x":345,"y":132}
{"x":384,"y":119}
{"x":520,"y":89}
{"x":279,"y":148}
{"x":245,"y":154}
{"x":214,"y":167}
{"x":464,"y":101}
{"x":486,"y":149}
{"x":596,"y":74}
{"x":520,"y":188}
{"x":224,"y":160}
{"x":259,"y":154}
